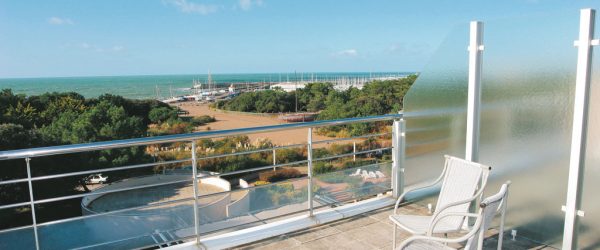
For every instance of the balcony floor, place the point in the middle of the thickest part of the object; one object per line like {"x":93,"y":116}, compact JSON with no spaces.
{"x":371,"y":230}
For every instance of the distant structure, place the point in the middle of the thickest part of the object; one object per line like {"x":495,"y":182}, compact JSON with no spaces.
{"x":339,"y":83}
{"x":288,"y":86}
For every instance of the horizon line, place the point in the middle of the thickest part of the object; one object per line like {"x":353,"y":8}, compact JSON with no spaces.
{"x":190,"y":74}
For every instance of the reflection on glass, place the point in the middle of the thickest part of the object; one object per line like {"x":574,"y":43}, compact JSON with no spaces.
{"x":527,"y":99}
{"x":589,"y":230}
{"x":352,"y":183}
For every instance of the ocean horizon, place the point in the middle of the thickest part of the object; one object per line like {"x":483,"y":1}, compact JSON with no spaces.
{"x":145,"y":86}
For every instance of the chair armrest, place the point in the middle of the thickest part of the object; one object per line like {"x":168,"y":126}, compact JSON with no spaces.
{"x":436,"y":220}
{"x":431,"y":184}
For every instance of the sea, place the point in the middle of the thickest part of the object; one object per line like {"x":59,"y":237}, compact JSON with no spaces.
{"x":157,"y":86}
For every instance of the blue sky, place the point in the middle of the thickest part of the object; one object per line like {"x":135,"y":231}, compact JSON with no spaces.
{"x":147,"y":37}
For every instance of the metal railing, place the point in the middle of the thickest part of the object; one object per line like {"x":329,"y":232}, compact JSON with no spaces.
{"x":28,"y":154}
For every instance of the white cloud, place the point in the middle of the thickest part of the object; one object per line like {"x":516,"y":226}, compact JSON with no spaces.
{"x":409,"y":48}
{"x":93,"y":47}
{"x":347,"y":52}
{"x":59,"y":21}
{"x":86,"y":45}
{"x":186,"y":6}
{"x":248,"y":4}
{"x":118,"y":48}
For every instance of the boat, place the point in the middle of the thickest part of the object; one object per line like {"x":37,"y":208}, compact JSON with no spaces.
{"x":173,"y":99}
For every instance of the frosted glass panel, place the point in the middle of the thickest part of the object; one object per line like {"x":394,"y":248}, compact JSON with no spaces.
{"x":435,"y":109}
{"x":528,"y":84}
{"x":589,"y":230}
{"x":527,"y":102}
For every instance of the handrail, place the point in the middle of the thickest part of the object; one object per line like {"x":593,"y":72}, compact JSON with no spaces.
{"x":84,"y":147}
{"x":29,"y":154}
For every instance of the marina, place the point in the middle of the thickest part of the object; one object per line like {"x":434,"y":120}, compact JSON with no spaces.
{"x":146,"y":86}
{"x":211,"y":91}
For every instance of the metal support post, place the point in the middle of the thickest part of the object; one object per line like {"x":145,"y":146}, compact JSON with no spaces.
{"x":196,"y":193}
{"x":580,"y":124}
{"x":32,"y":204}
{"x":310,"y":172}
{"x":274,"y":159}
{"x":398,"y":155}
{"x":354,"y":151}
{"x":474,"y":92}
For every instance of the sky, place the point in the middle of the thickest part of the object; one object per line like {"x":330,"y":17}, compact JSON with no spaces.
{"x":154,"y":37}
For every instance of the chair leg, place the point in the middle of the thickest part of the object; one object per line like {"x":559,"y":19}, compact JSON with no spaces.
{"x":394,"y":238}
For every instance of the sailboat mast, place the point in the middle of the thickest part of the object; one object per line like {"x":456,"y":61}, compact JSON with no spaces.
{"x":296,"y":89}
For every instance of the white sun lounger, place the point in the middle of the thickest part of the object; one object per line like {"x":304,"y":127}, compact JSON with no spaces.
{"x":357,"y":173}
{"x":372,"y":175}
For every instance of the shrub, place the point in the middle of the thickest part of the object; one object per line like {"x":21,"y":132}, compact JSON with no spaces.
{"x":279,"y":175}
{"x":358,"y":163}
{"x":338,"y":149}
{"x":320,"y":152}
{"x":201,"y":120}
{"x":162,"y":114}
{"x":322,"y":167}
{"x":260,"y":183}
{"x":287,"y":155}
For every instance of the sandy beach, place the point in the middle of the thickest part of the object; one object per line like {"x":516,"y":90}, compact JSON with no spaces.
{"x":232,"y":121}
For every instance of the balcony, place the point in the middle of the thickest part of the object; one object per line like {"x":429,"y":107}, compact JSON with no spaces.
{"x":162,"y":210}
{"x":370,"y":230}
{"x":526,"y":116}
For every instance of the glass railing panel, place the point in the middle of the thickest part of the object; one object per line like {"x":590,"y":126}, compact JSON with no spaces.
{"x":589,"y":229}
{"x":527,"y":107}
{"x":365,"y":180}
{"x":248,"y":204}
{"x":18,"y":239}
{"x":134,"y":228}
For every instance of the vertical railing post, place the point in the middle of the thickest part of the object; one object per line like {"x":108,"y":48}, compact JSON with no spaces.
{"x":474,"y":92}
{"x":196,"y":193}
{"x":580,"y":124}
{"x":274,"y":159}
{"x":32,"y":204}
{"x":310,"y":172}
{"x":354,"y":151}
{"x":474,"y":100}
{"x":398,"y":155}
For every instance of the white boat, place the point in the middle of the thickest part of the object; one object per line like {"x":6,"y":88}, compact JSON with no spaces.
{"x":174,"y":99}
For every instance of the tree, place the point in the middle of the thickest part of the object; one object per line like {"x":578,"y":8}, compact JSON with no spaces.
{"x":162,"y":114}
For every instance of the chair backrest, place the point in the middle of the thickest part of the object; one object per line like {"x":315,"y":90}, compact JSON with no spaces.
{"x":490,"y":207}
{"x":461,"y":181}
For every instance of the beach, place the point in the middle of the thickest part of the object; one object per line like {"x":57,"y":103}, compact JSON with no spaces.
{"x":235,"y":120}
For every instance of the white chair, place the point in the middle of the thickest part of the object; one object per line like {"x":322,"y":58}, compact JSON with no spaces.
{"x":489,"y":208}
{"x":380,"y":174}
{"x":357,"y":173}
{"x":462,"y":182}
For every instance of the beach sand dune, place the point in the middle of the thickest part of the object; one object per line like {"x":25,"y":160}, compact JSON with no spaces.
{"x":232,"y":121}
